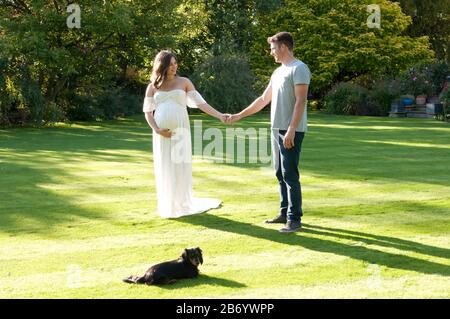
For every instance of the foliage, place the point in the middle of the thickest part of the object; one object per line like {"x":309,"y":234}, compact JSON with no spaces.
{"x":430,"y":18}
{"x":225,"y":82}
{"x":346,"y":98}
{"x":332,"y":37}
{"x":352,"y":99}
{"x":114,"y":103}
{"x":424,"y":79}
{"x":30,"y":95}
{"x":444,"y":97}
{"x":230,"y":23}
{"x":61,"y":63}
{"x":51,"y":72}
{"x":5,"y":103}
{"x":192,"y":42}
{"x":217,"y":27}
{"x":382,"y":94}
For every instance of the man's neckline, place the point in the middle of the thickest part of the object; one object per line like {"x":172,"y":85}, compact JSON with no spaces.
{"x":288,"y":64}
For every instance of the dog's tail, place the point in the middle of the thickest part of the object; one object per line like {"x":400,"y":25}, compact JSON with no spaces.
{"x":134,"y":280}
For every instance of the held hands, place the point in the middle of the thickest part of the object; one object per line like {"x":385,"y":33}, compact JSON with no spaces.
{"x":229,"y":118}
{"x":224,"y":118}
{"x":233,"y":118}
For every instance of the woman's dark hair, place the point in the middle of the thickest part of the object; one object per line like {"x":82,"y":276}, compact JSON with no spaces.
{"x":160,"y":66}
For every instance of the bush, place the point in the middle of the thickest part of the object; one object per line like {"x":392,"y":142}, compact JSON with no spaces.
{"x":444,"y":97}
{"x":118,"y":103}
{"x":382,"y":94}
{"x":354,"y":99}
{"x":109,"y":105}
{"x":424,"y":79}
{"x":349,"y":99}
{"x":83,"y":108}
{"x":21,"y":99}
{"x":53,"y":113}
{"x":225,"y":82}
{"x":5,"y":102}
{"x":439,"y":72}
{"x":30,"y":95}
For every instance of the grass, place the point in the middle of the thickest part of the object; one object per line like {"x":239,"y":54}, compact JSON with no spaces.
{"x":77,"y":214}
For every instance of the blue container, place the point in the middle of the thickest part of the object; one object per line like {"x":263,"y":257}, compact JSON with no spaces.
{"x":408,"y":102}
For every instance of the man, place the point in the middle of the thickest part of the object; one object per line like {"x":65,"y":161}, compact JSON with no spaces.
{"x":288,"y":91}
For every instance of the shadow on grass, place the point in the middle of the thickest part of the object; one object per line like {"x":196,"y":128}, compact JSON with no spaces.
{"x":32,"y":158}
{"x":357,"y":151}
{"x":204,"y":280}
{"x":369,"y":255}
{"x":357,"y":148}
{"x":379,"y":240}
{"x":27,"y":207}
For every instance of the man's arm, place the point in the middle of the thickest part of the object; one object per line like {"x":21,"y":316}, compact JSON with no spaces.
{"x":256,"y":106}
{"x":301,"y":94}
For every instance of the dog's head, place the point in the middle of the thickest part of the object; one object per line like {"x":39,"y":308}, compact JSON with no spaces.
{"x":193,"y":256}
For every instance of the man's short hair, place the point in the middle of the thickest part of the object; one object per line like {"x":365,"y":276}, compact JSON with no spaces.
{"x":282,"y":38}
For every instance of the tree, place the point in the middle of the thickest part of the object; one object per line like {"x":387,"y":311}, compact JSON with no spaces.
{"x":115,"y":38}
{"x":430,"y":18}
{"x":215,"y":45}
{"x":333,"y":38}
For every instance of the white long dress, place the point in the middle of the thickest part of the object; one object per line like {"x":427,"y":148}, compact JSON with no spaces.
{"x":172,"y":157}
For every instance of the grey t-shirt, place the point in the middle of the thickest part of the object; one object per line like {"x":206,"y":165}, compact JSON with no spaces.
{"x":283,"y":82}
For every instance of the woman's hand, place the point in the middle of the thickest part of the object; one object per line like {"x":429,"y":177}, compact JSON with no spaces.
{"x":224,"y":118}
{"x":165,"y":132}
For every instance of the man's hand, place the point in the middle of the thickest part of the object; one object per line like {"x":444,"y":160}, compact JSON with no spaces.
{"x":288,"y":140}
{"x":233,"y":118}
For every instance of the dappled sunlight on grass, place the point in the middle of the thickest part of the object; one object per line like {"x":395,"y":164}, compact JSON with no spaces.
{"x":424,"y":145}
{"x":375,"y":194}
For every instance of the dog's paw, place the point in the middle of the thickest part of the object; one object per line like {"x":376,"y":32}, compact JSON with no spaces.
{"x":129,"y":280}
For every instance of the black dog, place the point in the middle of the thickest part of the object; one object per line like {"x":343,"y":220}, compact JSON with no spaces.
{"x":168,"y":272}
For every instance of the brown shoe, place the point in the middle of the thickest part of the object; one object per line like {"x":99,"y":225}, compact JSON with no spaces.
{"x":277,"y":220}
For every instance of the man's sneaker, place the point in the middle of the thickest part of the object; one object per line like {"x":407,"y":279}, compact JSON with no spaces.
{"x":291,"y":227}
{"x":280,"y":219}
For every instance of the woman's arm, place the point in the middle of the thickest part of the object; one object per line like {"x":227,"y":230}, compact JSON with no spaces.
{"x":208,"y":109}
{"x":205,"y":107}
{"x":149,"y":116}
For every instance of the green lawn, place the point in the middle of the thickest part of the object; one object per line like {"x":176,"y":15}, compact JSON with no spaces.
{"x":77,"y":214}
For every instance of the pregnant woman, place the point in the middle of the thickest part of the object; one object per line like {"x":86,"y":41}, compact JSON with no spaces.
{"x":165,"y":110}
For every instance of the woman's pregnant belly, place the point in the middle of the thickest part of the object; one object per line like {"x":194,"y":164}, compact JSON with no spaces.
{"x":169,"y":116}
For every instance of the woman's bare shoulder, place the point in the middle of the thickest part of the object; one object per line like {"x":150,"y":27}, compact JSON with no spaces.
{"x":150,"y":91}
{"x":187,"y":83}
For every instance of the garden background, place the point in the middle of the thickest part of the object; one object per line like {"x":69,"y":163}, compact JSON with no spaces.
{"x":50,"y":72}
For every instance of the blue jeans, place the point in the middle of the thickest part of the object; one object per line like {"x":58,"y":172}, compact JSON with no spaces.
{"x":286,"y":166}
